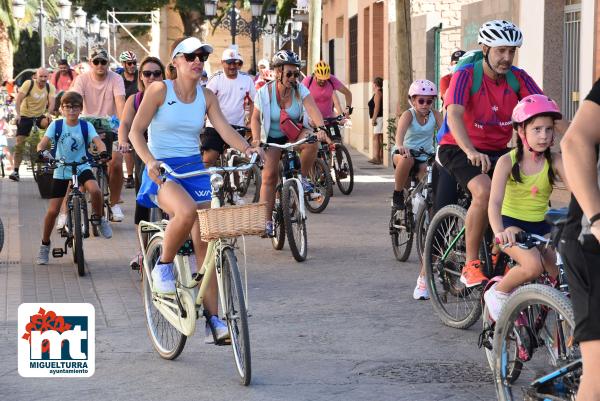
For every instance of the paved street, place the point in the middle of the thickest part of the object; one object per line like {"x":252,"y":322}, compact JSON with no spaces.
{"x":341,"y":326}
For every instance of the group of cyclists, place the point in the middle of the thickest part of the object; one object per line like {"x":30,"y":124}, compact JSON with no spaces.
{"x":488,"y":100}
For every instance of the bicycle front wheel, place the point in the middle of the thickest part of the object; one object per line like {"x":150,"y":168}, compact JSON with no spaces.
{"x":320,"y":177}
{"x":295,"y":225}
{"x":401,"y":231}
{"x":236,"y":315}
{"x":78,"y":257}
{"x":165,"y":338}
{"x":248,"y":183}
{"x":444,"y":256}
{"x":421,"y":224}
{"x":278,"y":224}
{"x":344,"y":171}
{"x":535,"y":332}
{"x":1,"y":235}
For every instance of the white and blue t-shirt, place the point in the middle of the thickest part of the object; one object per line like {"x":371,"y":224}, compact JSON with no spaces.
{"x":70,"y":146}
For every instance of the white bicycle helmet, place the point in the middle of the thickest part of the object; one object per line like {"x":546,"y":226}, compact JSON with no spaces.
{"x":285,"y":57}
{"x":127,"y":56}
{"x":422,"y":87}
{"x":497,"y":33}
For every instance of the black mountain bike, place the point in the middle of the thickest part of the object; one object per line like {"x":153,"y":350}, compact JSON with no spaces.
{"x":78,"y":223}
{"x":338,"y":158}
{"x":408,"y":222}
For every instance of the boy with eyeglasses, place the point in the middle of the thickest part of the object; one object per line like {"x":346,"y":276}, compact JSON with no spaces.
{"x":103,"y":94}
{"x":234,"y":90}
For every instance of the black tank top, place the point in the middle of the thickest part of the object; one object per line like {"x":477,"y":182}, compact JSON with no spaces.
{"x":372,"y":106}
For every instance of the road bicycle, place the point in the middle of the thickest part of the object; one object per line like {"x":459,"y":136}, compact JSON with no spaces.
{"x":77,"y":223}
{"x":410,"y":221}
{"x":289,"y":214}
{"x":171,"y":319}
{"x":338,"y":157}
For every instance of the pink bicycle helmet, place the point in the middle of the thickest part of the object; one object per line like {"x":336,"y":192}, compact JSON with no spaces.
{"x":533,"y":105}
{"x":422,"y":87}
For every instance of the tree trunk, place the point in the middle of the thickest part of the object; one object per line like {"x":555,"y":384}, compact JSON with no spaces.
{"x":403,"y":41}
{"x":6,"y":54}
{"x":314,"y":34}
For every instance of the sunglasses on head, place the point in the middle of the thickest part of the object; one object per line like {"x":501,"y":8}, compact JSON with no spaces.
{"x":236,"y":62}
{"x":423,"y":101}
{"x":148,"y":73}
{"x":130,"y":63}
{"x":191,"y":57}
{"x":289,"y":74}
{"x":99,"y":61}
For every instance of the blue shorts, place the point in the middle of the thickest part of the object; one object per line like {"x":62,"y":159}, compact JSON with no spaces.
{"x":539,"y":227}
{"x":197,"y":187}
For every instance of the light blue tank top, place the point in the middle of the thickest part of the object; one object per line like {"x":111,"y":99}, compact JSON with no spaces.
{"x":175,"y":129}
{"x":294,"y":111}
{"x":420,"y":136}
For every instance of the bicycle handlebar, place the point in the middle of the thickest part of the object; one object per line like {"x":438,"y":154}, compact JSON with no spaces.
{"x":334,"y":120}
{"x":525,"y":240}
{"x":166,"y":169}
{"x":309,"y":139}
{"x":421,"y":152}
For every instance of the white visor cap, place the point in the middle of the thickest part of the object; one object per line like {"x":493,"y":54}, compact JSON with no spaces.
{"x":190,"y":45}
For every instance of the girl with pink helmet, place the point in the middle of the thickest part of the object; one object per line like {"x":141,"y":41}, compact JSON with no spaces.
{"x":415,"y":130}
{"x":521,"y":188}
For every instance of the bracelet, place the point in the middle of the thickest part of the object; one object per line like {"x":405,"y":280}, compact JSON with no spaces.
{"x":594,"y":218}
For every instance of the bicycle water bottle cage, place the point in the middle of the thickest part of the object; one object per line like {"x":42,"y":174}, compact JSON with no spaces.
{"x":186,"y":249}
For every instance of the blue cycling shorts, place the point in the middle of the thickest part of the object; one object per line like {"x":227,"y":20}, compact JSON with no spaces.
{"x":197,"y":187}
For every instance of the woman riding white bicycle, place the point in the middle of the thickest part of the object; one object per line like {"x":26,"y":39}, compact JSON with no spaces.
{"x":173,"y":112}
{"x":266,"y":124}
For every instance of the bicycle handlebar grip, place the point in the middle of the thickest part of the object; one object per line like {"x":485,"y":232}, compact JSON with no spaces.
{"x":521,"y":236}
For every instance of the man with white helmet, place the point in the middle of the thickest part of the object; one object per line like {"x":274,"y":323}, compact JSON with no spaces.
{"x":478,"y":127}
{"x":129,"y":74}
{"x":234,"y":89}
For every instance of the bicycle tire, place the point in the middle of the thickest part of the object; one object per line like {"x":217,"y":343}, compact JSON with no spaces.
{"x":33,"y":160}
{"x":343,"y":169}
{"x":421,"y":224}
{"x":320,"y":177}
{"x":528,"y":295}
{"x":157,"y":325}
{"x":401,"y":233}
{"x":294,"y":222}
{"x":278,"y":225}
{"x":1,"y":235}
{"x":78,"y":257}
{"x":249,"y":189}
{"x":443,"y":280}
{"x":489,"y":324}
{"x":236,"y":315}
{"x":2,"y":165}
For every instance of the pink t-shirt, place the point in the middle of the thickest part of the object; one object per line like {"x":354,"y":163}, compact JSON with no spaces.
{"x":323,"y":95}
{"x":63,"y":82}
{"x":99,"y":96}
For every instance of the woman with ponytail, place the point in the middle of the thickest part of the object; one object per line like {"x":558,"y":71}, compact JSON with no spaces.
{"x":521,"y":189}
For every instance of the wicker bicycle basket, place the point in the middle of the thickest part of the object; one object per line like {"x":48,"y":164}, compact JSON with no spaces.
{"x":232,"y":221}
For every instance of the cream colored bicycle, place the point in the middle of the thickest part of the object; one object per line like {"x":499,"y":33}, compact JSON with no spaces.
{"x":170,"y":319}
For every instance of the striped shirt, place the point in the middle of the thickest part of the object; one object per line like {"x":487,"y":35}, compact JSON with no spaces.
{"x":488,"y":112}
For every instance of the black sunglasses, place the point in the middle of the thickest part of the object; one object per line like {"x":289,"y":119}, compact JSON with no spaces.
{"x":71,"y":106}
{"x":191,"y":57}
{"x":130,"y":63}
{"x":148,"y":73}
{"x":99,"y":61}
{"x":236,"y":62}
{"x":423,"y":101}
{"x":289,"y":74}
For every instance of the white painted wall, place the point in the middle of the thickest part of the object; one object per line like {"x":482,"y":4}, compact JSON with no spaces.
{"x":586,"y":50}
{"x":531,"y":23}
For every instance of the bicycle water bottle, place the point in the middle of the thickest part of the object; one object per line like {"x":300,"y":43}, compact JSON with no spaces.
{"x":418,"y":200}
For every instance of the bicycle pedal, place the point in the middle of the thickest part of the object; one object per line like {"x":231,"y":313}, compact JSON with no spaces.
{"x":58,"y":252}
{"x":64,"y":233}
{"x":135,"y":266}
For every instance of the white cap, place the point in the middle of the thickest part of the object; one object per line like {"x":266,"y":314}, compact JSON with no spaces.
{"x":231,"y":54}
{"x":190,"y":45}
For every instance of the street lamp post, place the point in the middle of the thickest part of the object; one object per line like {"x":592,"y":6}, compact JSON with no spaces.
{"x":80,"y":20}
{"x":63,"y":16}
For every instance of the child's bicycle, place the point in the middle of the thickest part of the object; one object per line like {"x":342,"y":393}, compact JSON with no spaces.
{"x":170,"y":319}
{"x":77,"y":226}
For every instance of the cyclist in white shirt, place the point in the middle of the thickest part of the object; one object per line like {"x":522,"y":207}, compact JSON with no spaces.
{"x":234,"y":89}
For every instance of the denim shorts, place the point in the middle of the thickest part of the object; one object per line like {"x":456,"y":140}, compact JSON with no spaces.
{"x":197,"y":187}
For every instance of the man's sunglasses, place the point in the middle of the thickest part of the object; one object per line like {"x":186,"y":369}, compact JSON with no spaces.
{"x":289,"y":74}
{"x":148,"y":73}
{"x":423,"y":101}
{"x":99,"y":61}
{"x":236,"y":62}
{"x":131,"y":63}
{"x":191,"y":57}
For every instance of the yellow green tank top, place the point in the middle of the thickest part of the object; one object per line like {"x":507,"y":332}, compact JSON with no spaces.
{"x":527,"y":200}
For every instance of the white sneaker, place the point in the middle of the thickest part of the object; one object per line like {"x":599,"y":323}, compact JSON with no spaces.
{"x":420,"y":292}
{"x":238,"y":200}
{"x":163,"y":279}
{"x":494,"y":300}
{"x":61,"y":221}
{"x":117,"y":213}
{"x":44,"y":255}
{"x":104,"y":228}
